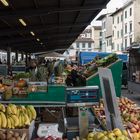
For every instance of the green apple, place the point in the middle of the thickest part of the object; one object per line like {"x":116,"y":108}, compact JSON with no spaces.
{"x":104,"y":138}
{"x":90,"y":135}
{"x":122,"y":137}
{"x":112,"y":138}
{"x":100,"y":135}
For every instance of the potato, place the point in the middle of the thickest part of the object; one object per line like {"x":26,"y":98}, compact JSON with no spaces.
{"x":9,"y":135}
{"x":13,"y":138}
{"x":3,"y":136}
{"x":11,"y":132}
{"x":18,"y":138}
{"x":16,"y":134}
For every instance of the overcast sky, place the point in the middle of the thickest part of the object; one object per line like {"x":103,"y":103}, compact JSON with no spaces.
{"x":111,"y":7}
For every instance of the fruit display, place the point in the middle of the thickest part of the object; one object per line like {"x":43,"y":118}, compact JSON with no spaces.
{"x":12,"y":135}
{"x":93,"y":66}
{"x":115,"y":134}
{"x":13,"y":116}
{"x":48,"y":138}
{"x":24,"y":75}
{"x":130,"y":114}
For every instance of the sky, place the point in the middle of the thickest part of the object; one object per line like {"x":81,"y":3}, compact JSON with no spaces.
{"x":111,"y":7}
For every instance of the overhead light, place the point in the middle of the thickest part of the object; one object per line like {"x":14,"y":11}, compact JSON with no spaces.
{"x":32,"y":33}
{"x":22,"y":22}
{"x":41,"y":43}
{"x":38,"y":39}
{"x":4,"y":2}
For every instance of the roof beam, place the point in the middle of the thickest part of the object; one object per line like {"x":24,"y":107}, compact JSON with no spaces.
{"x":44,"y":38}
{"x":46,"y":11}
{"x":35,"y":28}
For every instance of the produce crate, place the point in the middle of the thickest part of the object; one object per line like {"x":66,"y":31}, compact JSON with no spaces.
{"x":116,"y":69}
{"x":55,"y":93}
{"x":26,"y":131}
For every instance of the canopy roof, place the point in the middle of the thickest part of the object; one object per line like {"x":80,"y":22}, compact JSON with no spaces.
{"x":56,"y":23}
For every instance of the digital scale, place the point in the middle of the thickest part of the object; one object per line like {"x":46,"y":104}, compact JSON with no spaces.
{"x":82,"y":97}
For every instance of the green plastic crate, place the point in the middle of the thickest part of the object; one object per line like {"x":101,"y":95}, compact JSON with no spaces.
{"x":116,"y":69}
{"x":55,"y":93}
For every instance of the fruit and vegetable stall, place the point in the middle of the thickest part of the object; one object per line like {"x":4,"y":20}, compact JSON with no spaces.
{"x":32,"y":109}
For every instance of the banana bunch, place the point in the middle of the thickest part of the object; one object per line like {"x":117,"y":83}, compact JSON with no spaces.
{"x":3,"y":120}
{"x":2,"y":108}
{"x":31,"y":112}
{"x":12,"y":121}
{"x":11,"y":109}
{"x":16,"y":116}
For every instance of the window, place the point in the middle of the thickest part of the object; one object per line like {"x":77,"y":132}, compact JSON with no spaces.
{"x":121,"y":47}
{"x":71,"y":47}
{"x":125,"y":28}
{"x":130,"y":40}
{"x":112,"y":46}
{"x":130,"y":26}
{"x":107,"y":43}
{"x":125,"y":43}
{"x":110,"y":42}
{"x":83,"y":35}
{"x":122,"y":17}
{"x":78,"y":45}
{"x":113,"y":33}
{"x":125,"y":14}
{"x":104,"y":25}
{"x":88,"y":35}
{"x":117,"y":47}
{"x":117,"y":34}
{"x":113,"y":20}
{"x":121,"y":32}
{"x":89,"y":45}
{"x":130,"y":11}
{"x":118,"y":20}
{"x":83,"y":45}
{"x":100,"y":34}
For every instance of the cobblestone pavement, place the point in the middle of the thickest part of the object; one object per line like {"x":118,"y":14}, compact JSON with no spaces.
{"x":134,"y":97}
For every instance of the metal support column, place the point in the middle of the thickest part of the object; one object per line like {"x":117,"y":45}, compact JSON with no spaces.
{"x":8,"y":56}
{"x":16,"y":57}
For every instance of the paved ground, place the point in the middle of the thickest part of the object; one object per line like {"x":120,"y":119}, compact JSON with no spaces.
{"x":134,"y":97}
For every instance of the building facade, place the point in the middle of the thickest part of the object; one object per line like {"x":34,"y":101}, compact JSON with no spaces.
{"x":84,"y":43}
{"x":97,"y":37}
{"x":106,"y":33}
{"x":121,"y":28}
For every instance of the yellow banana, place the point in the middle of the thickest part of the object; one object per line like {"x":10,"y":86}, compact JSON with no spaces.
{"x":16,"y":120}
{"x":9,"y":125}
{"x":13,"y":108}
{"x":20,"y":121}
{"x":33,"y":111}
{"x":27,"y":120}
{"x":12,"y":122}
{"x":29,"y":114}
{"x":0,"y":121}
{"x":4,"y":120}
{"x":9,"y":111}
{"x":2,"y":108}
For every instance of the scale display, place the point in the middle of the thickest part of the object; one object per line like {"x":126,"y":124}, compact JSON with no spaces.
{"x":81,"y":96}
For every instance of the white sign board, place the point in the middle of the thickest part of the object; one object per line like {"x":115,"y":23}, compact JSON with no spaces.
{"x":113,"y":118}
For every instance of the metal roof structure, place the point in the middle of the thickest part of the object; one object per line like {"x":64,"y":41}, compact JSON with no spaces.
{"x":43,"y":25}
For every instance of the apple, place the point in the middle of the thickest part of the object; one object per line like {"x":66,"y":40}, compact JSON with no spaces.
{"x":100,"y":135}
{"x":117,"y":132}
{"x":91,"y":135}
{"x":122,"y":137}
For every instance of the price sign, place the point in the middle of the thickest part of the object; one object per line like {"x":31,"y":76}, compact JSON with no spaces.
{"x":113,"y":118}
